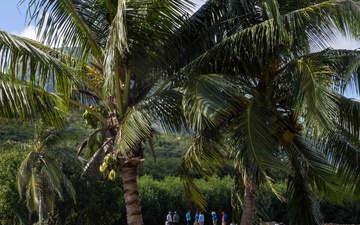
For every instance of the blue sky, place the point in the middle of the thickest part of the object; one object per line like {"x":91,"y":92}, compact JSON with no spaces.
{"x":12,"y":17}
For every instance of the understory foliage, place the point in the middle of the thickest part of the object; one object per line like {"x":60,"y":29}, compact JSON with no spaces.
{"x":97,"y":201}
{"x":11,"y":210}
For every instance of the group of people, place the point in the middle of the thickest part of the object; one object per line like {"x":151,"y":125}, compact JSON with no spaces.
{"x":172,"y":219}
{"x":199,"y":218}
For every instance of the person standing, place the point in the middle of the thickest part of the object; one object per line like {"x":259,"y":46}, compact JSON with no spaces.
{"x":224,"y":218}
{"x":214,"y":217}
{"x":196,"y":218}
{"x":50,"y":219}
{"x":176,"y":218}
{"x":188,"y":218}
{"x":169,"y":219}
{"x":201,"y":219}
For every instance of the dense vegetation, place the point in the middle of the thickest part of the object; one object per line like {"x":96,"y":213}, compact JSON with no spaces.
{"x":159,"y":183}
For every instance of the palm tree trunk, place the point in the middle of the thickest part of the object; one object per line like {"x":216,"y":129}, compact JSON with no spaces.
{"x":249,"y":203}
{"x":41,"y":213}
{"x":131,"y":193}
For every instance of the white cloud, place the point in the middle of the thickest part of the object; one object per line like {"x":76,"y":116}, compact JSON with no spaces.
{"x":28,"y":32}
{"x":346,"y":43}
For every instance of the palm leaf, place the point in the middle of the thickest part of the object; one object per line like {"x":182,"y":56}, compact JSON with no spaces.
{"x":134,"y":129}
{"x":25,"y":59}
{"x":33,"y":192}
{"x":349,"y":117}
{"x":25,"y":172}
{"x":52,"y":176}
{"x":209,"y":99}
{"x":166,"y":110}
{"x":242,"y":50}
{"x":204,"y":157}
{"x":67,"y":23}
{"x":21,"y":101}
{"x":299,"y":191}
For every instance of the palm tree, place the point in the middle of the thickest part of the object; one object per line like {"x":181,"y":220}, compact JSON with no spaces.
{"x":261,"y":97}
{"x":40,"y":174}
{"x":109,"y":58}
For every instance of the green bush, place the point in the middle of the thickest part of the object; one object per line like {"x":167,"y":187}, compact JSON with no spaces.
{"x":12,"y":210}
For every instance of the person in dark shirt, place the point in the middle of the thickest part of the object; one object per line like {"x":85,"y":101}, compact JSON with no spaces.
{"x":176,"y":218}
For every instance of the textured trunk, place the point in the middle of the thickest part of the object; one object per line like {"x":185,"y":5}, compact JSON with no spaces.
{"x":128,"y":167}
{"x":131,"y":193}
{"x":249,"y":203}
{"x":41,"y":213}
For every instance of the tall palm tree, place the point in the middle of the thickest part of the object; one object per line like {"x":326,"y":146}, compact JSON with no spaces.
{"x":40,"y":174}
{"x":109,"y":58}
{"x":263,"y":95}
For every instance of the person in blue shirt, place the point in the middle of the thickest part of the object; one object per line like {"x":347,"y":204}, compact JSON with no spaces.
{"x":201,"y":219}
{"x":214,"y":217}
{"x":197,"y":218}
{"x":188,"y":218}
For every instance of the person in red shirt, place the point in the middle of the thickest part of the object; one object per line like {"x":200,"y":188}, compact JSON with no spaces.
{"x":223,"y":218}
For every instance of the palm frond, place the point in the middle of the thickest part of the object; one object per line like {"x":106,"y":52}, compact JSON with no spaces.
{"x":134,"y":129}
{"x":21,"y":101}
{"x":256,"y":133}
{"x":52,"y":176}
{"x":344,"y":157}
{"x":166,"y":110}
{"x":204,"y":157}
{"x":67,"y":23}
{"x":349,"y":117}
{"x":25,"y":59}
{"x":249,"y":48}
{"x":299,"y":193}
{"x":340,"y":146}
{"x":25,"y":171}
{"x":55,"y":178}
{"x":320,"y":170}
{"x":116,"y":47}
{"x":210,"y":24}
{"x":209,"y":99}
{"x":322,"y":20}
{"x":33,"y":192}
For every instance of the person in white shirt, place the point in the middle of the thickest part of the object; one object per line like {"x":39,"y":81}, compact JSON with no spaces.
{"x":169,"y":219}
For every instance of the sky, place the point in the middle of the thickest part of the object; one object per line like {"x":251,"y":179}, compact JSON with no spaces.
{"x":12,"y":20}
